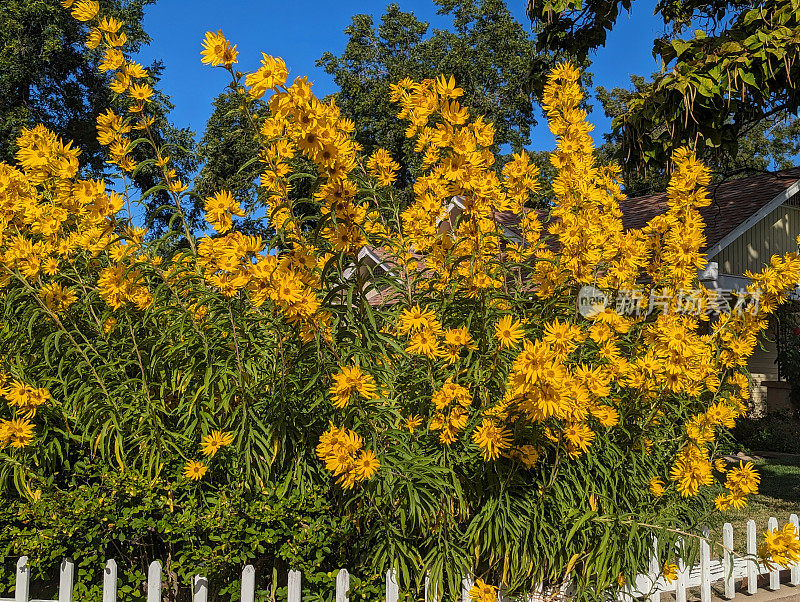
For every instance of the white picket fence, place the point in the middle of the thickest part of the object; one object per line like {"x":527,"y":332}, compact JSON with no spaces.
{"x":648,"y":586}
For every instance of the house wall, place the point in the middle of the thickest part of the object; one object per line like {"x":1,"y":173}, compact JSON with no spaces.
{"x":774,"y":234}
{"x":763,"y":369}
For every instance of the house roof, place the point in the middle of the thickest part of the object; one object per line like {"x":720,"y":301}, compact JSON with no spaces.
{"x":733,"y":202}
{"x":735,"y":206}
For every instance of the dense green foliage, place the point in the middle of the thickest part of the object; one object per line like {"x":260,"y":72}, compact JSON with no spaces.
{"x":131,"y":519}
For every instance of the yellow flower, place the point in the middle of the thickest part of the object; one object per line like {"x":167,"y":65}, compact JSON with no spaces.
{"x":743,"y":478}
{"x":691,"y":470}
{"x":85,"y":10}
{"x":56,"y":297}
{"x":424,"y":342}
{"x":140,"y":92}
{"x":414,"y":319}
{"x":17,"y":432}
{"x":483,"y":592}
{"x":579,"y":436}
{"x":350,"y":380}
{"x":656,"y":486}
{"x":413,"y":422}
{"x":508,"y":333}
{"x":271,"y":74}
{"x":215,"y":440}
{"x":217,"y":50}
{"x":781,"y":547}
{"x":367,"y":465}
{"x":194,"y":470}
{"x":24,"y":397}
{"x":219,"y":209}
{"x":669,"y":572}
{"x":492,"y":439}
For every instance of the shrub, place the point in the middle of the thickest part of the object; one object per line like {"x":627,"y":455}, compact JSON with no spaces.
{"x":472,"y":418}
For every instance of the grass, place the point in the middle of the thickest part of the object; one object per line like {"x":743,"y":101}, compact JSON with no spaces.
{"x":779,"y":496}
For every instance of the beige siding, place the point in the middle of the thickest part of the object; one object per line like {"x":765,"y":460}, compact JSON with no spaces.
{"x":774,"y":234}
{"x":762,"y":368}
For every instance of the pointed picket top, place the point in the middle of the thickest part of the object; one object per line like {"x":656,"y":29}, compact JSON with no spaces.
{"x":431,"y":595}
{"x":752,"y":558}
{"x":654,"y":574}
{"x":466,"y":585}
{"x":22,"y":589}
{"x":199,"y":589}
{"x":110,"y":581}
{"x":294,"y":588}
{"x":392,"y":589}
{"x":683,"y":575}
{"x":154,"y":582}
{"x":249,"y":584}
{"x":794,"y":578}
{"x":342,"y":585}
{"x":66,"y":578}
{"x":774,"y":575}
{"x":727,"y":561}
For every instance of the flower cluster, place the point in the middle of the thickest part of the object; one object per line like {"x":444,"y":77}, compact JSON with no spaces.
{"x":342,"y":452}
{"x":781,"y":547}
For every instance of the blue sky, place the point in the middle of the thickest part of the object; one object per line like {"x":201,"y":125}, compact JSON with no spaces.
{"x":300,"y":31}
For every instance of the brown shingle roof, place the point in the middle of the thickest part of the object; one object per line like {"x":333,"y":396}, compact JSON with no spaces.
{"x":732,"y":202}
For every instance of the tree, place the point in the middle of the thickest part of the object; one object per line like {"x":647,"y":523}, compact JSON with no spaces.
{"x":736,"y":76}
{"x":490,"y":54}
{"x":769,"y":144}
{"x":49,"y":76}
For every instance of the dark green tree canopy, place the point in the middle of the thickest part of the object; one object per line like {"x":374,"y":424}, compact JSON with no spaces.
{"x":49,"y":76}
{"x":490,"y":54}
{"x":736,"y":74}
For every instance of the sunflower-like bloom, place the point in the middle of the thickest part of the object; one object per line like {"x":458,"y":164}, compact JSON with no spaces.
{"x":781,"y":547}
{"x":483,"y":592}
{"x":17,"y":432}
{"x":350,"y":380}
{"x":508,"y":332}
{"x":214,"y":441}
{"x":194,"y":470}
{"x":217,"y":50}
{"x":85,"y":10}
{"x":492,"y":439}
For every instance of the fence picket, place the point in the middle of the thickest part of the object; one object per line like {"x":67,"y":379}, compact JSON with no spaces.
{"x":295,"y":586}
{"x":653,"y":573}
{"x":775,"y":575}
{"x":66,"y":577}
{"x":392,"y":590}
{"x":705,"y":567}
{"x":752,"y":558}
{"x":154,"y":582}
{"x":727,"y":561}
{"x":466,"y":585}
{"x":22,"y":587}
{"x":431,"y":593}
{"x":199,"y":589}
{"x":649,"y":586}
{"x":683,"y":575}
{"x":110,"y":581}
{"x":342,"y":585}
{"x":794,"y":577}
{"x":249,"y":584}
